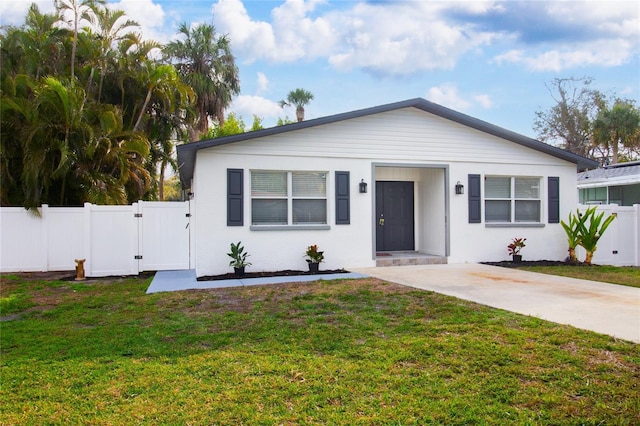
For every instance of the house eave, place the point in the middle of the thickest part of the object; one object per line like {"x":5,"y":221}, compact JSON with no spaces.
{"x":187,"y":152}
{"x":619,"y":181}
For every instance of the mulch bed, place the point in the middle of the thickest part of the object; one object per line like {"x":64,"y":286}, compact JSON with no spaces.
{"x":510,"y":264}
{"x":285,"y":273}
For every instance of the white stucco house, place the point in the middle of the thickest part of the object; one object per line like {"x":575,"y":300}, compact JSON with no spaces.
{"x":441,"y":186}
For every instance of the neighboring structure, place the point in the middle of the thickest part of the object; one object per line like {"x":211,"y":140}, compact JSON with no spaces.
{"x":410,"y":176}
{"x":615,"y":184}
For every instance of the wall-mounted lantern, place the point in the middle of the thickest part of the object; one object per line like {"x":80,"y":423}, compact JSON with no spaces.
{"x":363,"y":186}
{"x":459,"y":188}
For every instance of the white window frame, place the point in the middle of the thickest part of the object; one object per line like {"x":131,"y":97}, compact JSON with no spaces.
{"x":512,"y":201}
{"x":290,"y":198}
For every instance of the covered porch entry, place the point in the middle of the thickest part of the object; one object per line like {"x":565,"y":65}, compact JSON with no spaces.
{"x":410,"y":213}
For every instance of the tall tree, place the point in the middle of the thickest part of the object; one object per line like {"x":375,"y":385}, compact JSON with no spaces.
{"x":80,"y":10}
{"x":205,"y":62}
{"x":112,"y":27}
{"x":104,"y":129}
{"x":617,"y":127}
{"x":69,"y":148}
{"x":161,"y":116}
{"x":298,"y":98}
{"x":42,"y":43}
{"x":568,"y":122}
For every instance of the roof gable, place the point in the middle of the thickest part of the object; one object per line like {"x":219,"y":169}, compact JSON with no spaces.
{"x":187,"y":152}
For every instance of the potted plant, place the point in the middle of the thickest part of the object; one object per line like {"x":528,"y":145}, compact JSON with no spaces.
{"x":239,"y":258}
{"x":314,"y":257}
{"x":514,"y":249}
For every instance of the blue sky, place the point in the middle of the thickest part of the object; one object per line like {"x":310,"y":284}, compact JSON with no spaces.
{"x":488,"y":59}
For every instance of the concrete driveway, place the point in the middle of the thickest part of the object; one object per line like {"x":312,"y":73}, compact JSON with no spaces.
{"x":604,"y":308}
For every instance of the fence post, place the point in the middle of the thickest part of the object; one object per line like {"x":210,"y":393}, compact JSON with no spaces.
{"x":137,"y":208}
{"x":86,"y":249}
{"x":44,"y":245}
{"x":637,"y":232}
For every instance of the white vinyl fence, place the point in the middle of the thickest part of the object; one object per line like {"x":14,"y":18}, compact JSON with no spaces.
{"x":114,"y":240}
{"x":620,"y":244}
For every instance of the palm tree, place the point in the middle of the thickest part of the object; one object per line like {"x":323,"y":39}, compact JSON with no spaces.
{"x":617,"y":127}
{"x":298,"y":98}
{"x":80,"y":10}
{"x":110,"y":27}
{"x":42,"y":43}
{"x":70,"y":149}
{"x":112,"y":170}
{"x":205,"y":62}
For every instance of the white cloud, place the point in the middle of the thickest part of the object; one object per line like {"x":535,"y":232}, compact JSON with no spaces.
{"x":291,"y":36}
{"x":394,"y":38}
{"x":447,"y":95}
{"x":607,"y":53}
{"x":253,"y":39}
{"x":602,"y":34}
{"x":148,"y":14}
{"x":484,"y":101}
{"x":401,"y":38}
{"x":617,"y":18}
{"x":262,"y":83}
{"x":13,"y":12}
{"x":247,"y":106}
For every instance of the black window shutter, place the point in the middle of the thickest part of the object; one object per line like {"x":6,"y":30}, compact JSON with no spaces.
{"x":553,"y":192}
{"x":342,"y":198}
{"x":475,"y":199}
{"x":235,"y":185}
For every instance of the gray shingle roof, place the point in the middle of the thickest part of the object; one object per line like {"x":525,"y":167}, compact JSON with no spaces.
{"x":614,"y":171}
{"x":187,"y":152}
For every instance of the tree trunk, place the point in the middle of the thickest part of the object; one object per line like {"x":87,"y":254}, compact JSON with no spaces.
{"x":163,"y":166}
{"x":588,"y":258}
{"x":300,"y":114}
{"x":614,"y":150}
{"x":142,"y":110}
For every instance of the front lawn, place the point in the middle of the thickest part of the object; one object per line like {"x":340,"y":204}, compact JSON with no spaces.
{"x":334,"y":352}
{"x":629,"y":275}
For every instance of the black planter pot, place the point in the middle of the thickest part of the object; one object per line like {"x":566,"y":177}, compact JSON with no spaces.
{"x":313,"y":267}
{"x":517,"y":258}
{"x":239,"y":271}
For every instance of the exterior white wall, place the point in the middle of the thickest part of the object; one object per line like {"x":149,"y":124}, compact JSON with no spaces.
{"x":408,"y":138}
{"x":433,"y":221}
{"x":479,"y":242}
{"x":344,"y":245}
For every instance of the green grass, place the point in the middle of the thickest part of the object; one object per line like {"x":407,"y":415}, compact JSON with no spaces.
{"x":629,"y":276}
{"x":337,"y":352}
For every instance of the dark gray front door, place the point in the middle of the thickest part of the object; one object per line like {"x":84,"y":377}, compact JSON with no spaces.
{"x":394,"y":216}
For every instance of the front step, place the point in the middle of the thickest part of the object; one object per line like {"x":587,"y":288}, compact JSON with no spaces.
{"x":406,"y":259}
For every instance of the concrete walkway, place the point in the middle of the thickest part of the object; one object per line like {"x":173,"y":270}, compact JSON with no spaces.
{"x":604,"y":308}
{"x":186,"y":280}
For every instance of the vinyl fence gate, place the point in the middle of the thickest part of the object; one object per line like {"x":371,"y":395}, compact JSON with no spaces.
{"x":114,"y":240}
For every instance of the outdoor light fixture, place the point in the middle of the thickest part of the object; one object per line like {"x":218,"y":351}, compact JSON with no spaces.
{"x":363,"y":186}
{"x":459,"y":188}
